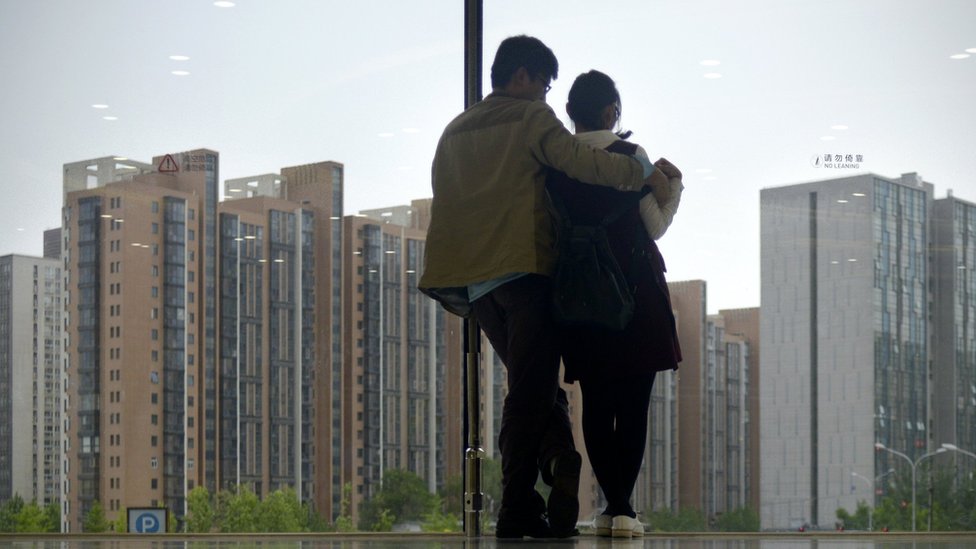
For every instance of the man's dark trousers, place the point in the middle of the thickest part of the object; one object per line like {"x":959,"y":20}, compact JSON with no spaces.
{"x":517,"y":319}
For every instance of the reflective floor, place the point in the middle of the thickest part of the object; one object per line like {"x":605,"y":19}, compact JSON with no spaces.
{"x":425,"y":541}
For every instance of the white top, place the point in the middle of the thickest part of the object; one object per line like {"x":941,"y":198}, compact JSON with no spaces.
{"x":657,"y":216}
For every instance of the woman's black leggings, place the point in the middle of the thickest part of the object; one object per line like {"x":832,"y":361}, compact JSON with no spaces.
{"x":615,"y":430}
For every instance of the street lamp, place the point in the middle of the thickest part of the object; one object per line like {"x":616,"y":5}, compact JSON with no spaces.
{"x":955,"y":448}
{"x":879,"y":446}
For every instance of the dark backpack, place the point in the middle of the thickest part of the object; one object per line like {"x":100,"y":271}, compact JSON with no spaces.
{"x":589,"y":289}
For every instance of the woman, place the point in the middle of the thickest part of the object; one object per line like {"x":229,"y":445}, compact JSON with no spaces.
{"x":616,"y":370}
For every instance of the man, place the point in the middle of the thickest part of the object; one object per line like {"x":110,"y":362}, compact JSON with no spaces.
{"x":490,"y":253}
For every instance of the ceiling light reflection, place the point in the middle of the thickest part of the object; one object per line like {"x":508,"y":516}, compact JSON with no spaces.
{"x":959,"y":56}
{"x":99,"y":106}
{"x":224,"y":4}
{"x":971,"y":50}
{"x":180,"y":73}
{"x":179,"y":58}
{"x":110,"y":118}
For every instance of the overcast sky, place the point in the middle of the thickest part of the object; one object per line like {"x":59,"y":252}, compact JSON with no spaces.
{"x":276,"y":83}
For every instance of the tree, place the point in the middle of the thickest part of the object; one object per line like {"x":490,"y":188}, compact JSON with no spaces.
{"x":856,"y":521}
{"x":241,"y":512}
{"x":94,"y":520}
{"x":221,"y":503}
{"x":31,"y":518}
{"x":438,"y":520}
{"x":121,"y":524}
{"x":685,"y":520}
{"x":53,"y":512}
{"x":452,"y":495}
{"x":280,"y":512}
{"x":893,"y":515}
{"x":404,"y":497}
{"x":8,"y":513}
{"x":343,"y":523}
{"x":201,"y":513}
{"x":742,"y":519}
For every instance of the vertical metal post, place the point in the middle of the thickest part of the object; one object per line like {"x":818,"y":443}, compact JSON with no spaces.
{"x":474,"y":453}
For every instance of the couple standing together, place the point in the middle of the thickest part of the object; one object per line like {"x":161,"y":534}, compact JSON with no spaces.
{"x":491,"y":252}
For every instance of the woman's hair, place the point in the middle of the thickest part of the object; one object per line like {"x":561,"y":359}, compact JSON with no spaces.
{"x":591,"y":93}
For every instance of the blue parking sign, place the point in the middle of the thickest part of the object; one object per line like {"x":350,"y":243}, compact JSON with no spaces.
{"x":147,"y":520}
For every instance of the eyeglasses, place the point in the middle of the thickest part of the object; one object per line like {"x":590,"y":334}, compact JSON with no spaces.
{"x":546,"y":82}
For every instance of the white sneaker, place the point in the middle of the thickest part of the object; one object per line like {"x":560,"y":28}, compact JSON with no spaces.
{"x":626,"y":527}
{"x":603,"y":524}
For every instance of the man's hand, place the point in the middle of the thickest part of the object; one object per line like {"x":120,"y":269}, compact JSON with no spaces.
{"x":661,"y":187}
{"x":658,"y":182}
{"x":668,"y":168}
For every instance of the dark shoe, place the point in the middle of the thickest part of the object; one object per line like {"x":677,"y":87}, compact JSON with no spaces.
{"x":510,"y":526}
{"x":563,"y":502}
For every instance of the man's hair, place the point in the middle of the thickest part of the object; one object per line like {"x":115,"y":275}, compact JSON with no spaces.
{"x":522,"y":51}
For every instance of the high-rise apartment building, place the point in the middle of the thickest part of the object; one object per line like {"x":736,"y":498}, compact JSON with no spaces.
{"x":30,"y":378}
{"x":280,"y":333}
{"x":139,"y":254}
{"x":743,"y":324}
{"x":52,"y":243}
{"x":845,"y":339}
{"x":726,"y":419}
{"x":689,"y":299}
{"x":954,"y":318}
{"x":400,"y":408}
{"x":211,"y":345}
{"x":713,"y":386}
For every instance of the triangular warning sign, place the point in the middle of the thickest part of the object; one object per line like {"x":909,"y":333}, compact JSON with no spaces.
{"x":168,"y":165}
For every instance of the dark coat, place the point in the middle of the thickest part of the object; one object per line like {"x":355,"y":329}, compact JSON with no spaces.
{"x":650,"y":341}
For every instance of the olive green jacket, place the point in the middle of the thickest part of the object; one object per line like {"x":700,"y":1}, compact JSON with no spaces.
{"x":490,"y":215}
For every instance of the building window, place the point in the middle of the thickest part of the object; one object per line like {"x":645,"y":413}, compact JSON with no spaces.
{"x":155,"y":291}
{"x":154,"y":398}
{"x":155,"y":228}
{"x":154,"y":419}
{"x":154,"y":483}
{"x":154,"y":463}
{"x":153,"y":441}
